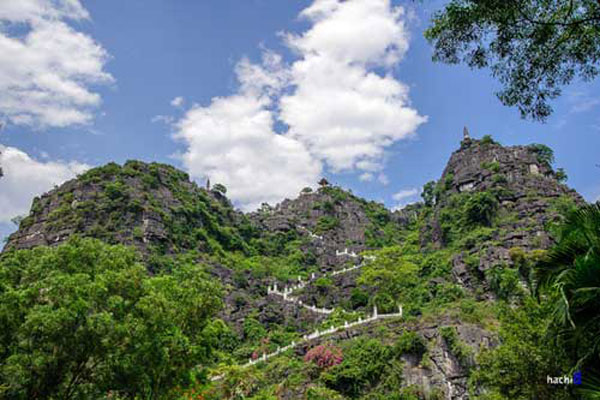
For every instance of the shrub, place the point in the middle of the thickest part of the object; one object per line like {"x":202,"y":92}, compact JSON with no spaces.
{"x":503,"y":281}
{"x":480,"y":208}
{"x":428,"y":193}
{"x":323,"y":282}
{"x":499,"y":179}
{"x":325,"y":356}
{"x":364,"y":363}
{"x":544,"y":154}
{"x":561,"y":175}
{"x":462,"y":352}
{"x":321,"y":393}
{"x":411,"y":343}
{"x":493,"y":166}
{"x":219,"y":188}
{"x":326,"y":223}
{"x":487,"y":140}
{"x":358,"y":298}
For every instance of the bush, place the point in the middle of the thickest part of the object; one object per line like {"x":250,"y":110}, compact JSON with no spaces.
{"x":358,"y":298}
{"x":493,"y":166}
{"x":325,"y":356}
{"x":365,"y":361}
{"x":544,"y":154}
{"x":321,"y":393}
{"x":219,"y":188}
{"x":561,"y":175}
{"x":487,"y":140}
{"x":411,"y":343}
{"x":504,"y":281}
{"x":326,"y":223}
{"x":462,"y":352}
{"x":428,"y":193}
{"x":481,"y":208}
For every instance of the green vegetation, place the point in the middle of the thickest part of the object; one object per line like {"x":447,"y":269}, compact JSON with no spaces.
{"x":367,"y":364}
{"x":487,"y":140}
{"x":326,"y":223}
{"x":85,"y":318}
{"x":219,"y":188}
{"x":544,"y":154}
{"x":561,"y":175}
{"x":457,"y":348}
{"x":572,"y":271}
{"x":155,"y":334}
{"x":428,"y":193}
{"x":481,"y":208}
{"x":526,"y":355}
{"x":532,"y":47}
{"x":493,"y":166}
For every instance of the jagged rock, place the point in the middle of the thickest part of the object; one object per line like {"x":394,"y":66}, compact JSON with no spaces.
{"x":139,"y":204}
{"x":305,"y":214}
{"x":525,"y":188}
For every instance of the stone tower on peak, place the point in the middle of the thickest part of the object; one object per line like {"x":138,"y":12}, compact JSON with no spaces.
{"x":466,"y":135}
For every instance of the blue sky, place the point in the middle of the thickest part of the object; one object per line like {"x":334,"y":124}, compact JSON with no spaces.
{"x":145,"y":53}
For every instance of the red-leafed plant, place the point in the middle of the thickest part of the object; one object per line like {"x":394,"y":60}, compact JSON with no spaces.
{"x":325,"y":355}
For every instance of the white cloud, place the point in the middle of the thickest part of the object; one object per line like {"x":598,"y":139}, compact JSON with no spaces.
{"x":340,"y":107}
{"x":366,"y":177}
{"x":338,"y":100}
{"x":177,"y":101}
{"x":24,"y":178}
{"x":232,"y":141}
{"x":47,"y":72}
{"x":405,"y":197}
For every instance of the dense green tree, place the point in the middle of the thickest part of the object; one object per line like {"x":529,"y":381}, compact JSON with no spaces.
{"x":533,"y":47}
{"x":393,"y":275}
{"x":366,"y":362}
{"x":85,"y":319}
{"x":544,"y":154}
{"x":517,"y":368}
{"x":428,"y":193}
{"x":561,"y":175}
{"x":220,"y":188}
{"x":572,"y":269}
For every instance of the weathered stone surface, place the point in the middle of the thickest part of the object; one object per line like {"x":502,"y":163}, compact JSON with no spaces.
{"x":525,"y":188}
{"x":303,"y":214}
{"x":142,"y":217}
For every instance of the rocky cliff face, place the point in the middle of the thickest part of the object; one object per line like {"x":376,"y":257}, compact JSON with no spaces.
{"x":331,"y":220}
{"x":527,"y":199}
{"x":150,"y":206}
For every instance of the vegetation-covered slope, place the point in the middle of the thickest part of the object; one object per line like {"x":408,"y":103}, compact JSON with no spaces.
{"x":154,"y":207}
{"x":474,"y":324}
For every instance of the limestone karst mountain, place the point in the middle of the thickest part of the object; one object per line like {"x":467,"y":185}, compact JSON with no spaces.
{"x":327,"y":258}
